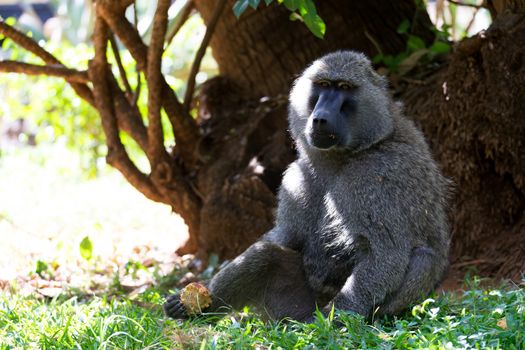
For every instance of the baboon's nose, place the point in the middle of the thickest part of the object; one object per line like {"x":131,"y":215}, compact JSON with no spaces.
{"x":319,"y":121}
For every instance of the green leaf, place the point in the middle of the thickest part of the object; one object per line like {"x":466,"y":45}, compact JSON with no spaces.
{"x":440,"y":47}
{"x":410,"y":62}
{"x":307,"y":7}
{"x":415,"y":43}
{"x":389,"y":61}
{"x":403,"y":27}
{"x":312,"y":19}
{"x":292,"y":5}
{"x":331,"y":314}
{"x":392,"y":62}
{"x":316,"y":25}
{"x":41,"y":267}
{"x":377,"y":59}
{"x":294,"y":16}
{"x":303,"y":10}
{"x":240,"y":6}
{"x":253,"y":3}
{"x":86,"y":248}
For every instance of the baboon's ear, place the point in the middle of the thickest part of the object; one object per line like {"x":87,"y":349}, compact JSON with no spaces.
{"x":376,"y":78}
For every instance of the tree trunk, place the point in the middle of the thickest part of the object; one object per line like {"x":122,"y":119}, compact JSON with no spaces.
{"x":470,"y":109}
{"x":472,"y":113}
{"x":263,"y":50}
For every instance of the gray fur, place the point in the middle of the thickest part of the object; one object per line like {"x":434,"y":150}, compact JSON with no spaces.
{"x":361,"y":226}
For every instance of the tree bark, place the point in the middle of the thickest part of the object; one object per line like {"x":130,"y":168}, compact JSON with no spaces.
{"x":264,"y":50}
{"x":472,"y":113}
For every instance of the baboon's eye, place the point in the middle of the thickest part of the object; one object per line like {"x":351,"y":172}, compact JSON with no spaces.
{"x":323,"y":83}
{"x":345,"y":86}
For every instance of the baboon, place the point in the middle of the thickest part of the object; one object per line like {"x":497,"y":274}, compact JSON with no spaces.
{"x":361,"y":223}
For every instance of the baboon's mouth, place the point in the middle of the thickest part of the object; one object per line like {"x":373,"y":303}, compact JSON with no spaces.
{"x":322,"y":140}
{"x":329,"y":135}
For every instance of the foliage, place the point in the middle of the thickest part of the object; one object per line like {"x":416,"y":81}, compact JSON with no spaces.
{"x":41,"y":267}
{"x":60,"y":116}
{"x":479,"y":319}
{"x":416,"y":50}
{"x":74,"y":20}
{"x":86,"y":248}
{"x":452,"y":22}
{"x":303,"y":10}
{"x":57,"y":113}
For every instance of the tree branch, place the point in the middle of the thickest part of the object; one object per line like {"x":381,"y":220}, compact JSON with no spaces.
{"x":184,"y":126}
{"x":60,"y":71}
{"x":210,"y":28}
{"x":27,"y":43}
{"x":122,"y":71}
{"x":156,"y":148}
{"x":117,"y":156}
{"x":126,"y":32}
{"x":173,"y":187}
{"x":30,"y":45}
{"x":136,"y":96}
{"x":128,"y":116}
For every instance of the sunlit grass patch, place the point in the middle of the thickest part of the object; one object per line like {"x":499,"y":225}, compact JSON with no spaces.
{"x":478,"y":319}
{"x":28,"y":323}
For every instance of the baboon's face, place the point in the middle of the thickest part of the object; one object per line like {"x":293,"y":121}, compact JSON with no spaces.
{"x":331,"y":104}
{"x":340,"y":103}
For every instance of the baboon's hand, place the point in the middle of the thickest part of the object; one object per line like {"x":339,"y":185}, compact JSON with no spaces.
{"x":174,"y":308}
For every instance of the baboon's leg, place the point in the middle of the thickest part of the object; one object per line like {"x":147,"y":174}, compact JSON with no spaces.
{"x":423,"y":275}
{"x":268,"y":277}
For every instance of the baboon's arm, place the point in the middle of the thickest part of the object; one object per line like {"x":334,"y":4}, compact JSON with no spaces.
{"x":371,"y":281}
{"x":284,"y":236}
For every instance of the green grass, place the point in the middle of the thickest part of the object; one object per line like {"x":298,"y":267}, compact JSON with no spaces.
{"x":27,"y":323}
{"x":478,"y":319}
